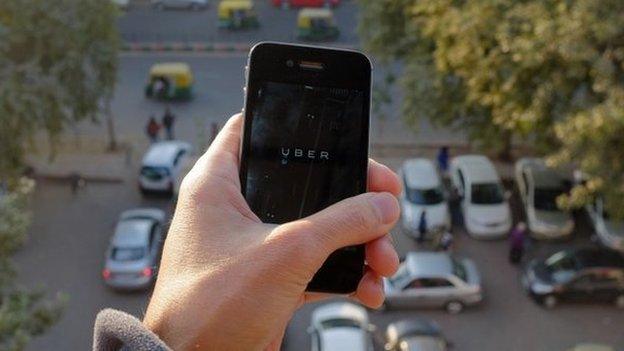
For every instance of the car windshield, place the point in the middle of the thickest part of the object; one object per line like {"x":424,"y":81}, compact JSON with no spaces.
{"x":431,"y":196}
{"x":459,"y":270}
{"x":561,"y":261}
{"x":546,"y":198}
{"x":340,"y":323}
{"x":487,"y":194}
{"x":154,"y":173}
{"x":128,"y":253}
{"x":401,"y":277}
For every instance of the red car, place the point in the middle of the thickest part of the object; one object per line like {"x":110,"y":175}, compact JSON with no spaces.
{"x":305,"y":3}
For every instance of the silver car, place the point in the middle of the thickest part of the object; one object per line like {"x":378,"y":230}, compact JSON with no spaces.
{"x":415,"y":334}
{"x":434,"y":279}
{"x":134,"y":250}
{"x":341,"y":326}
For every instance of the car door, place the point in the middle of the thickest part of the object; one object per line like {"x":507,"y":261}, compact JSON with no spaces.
{"x":440,"y":291}
{"x":413,"y":294}
{"x":580,"y":288}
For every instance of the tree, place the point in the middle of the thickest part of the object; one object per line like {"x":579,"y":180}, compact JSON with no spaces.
{"x":58,"y":61}
{"x":548,"y":72}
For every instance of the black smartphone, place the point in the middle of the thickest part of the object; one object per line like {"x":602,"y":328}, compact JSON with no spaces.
{"x":305,"y":141}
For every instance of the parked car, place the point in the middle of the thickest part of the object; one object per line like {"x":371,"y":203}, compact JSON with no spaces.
{"x":163,"y":167}
{"x":134,"y":250}
{"x":609,"y":231}
{"x":483,"y":199}
{"x":539,"y":187}
{"x":180,"y":4}
{"x":415,"y":334}
{"x":434,"y":279}
{"x":423,"y":190}
{"x":577,"y":274}
{"x":341,"y":326}
{"x":305,"y":3}
{"x":591,"y":347}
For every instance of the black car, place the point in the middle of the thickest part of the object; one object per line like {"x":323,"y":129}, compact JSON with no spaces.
{"x":415,"y":335}
{"x":579,"y":274}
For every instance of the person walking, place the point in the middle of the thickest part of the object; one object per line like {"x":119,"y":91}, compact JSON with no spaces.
{"x":446,"y":241}
{"x":152,"y":129}
{"x":443,"y":159}
{"x":422,"y":227}
{"x":167,"y":121}
{"x":516,"y":243}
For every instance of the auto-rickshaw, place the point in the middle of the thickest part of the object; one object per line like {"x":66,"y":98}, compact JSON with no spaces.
{"x":316,"y":24}
{"x":170,"y":81}
{"x":237,"y":14}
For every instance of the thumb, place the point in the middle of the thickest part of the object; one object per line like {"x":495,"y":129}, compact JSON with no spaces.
{"x":353,"y":221}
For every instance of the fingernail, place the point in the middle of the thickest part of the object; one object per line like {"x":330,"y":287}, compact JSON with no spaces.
{"x":386,"y":206}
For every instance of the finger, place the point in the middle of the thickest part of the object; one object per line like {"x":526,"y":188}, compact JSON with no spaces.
{"x":382,"y":257}
{"x":370,"y":290}
{"x":353,"y":221}
{"x":228,"y":139}
{"x":381,"y":178}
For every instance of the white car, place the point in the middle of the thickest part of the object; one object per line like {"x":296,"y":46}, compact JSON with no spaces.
{"x":163,"y":167}
{"x":434,"y":279}
{"x":134,"y":250}
{"x":423,"y":190}
{"x":610,"y":232}
{"x":341,"y":326}
{"x":483,"y":199}
{"x":180,"y":4}
{"x":539,"y":187}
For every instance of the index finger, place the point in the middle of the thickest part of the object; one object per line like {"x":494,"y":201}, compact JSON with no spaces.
{"x":382,"y":179}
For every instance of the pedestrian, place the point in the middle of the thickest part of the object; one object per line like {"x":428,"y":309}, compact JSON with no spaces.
{"x":152,"y":129}
{"x":443,"y":158}
{"x":446,"y":241}
{"x":516,"y":243}
{"x":422,"y":227}
{"x":75,"y":182}
{"x":167,"y":121}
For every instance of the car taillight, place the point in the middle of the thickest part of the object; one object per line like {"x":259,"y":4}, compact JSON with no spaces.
{"x":147,"y":272}
{"x":106,"y":273}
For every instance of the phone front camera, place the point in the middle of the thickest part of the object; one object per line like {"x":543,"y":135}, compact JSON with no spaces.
{"x":289,"y":63}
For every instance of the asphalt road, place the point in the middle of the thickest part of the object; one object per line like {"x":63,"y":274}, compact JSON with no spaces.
{"x":141,"y":23}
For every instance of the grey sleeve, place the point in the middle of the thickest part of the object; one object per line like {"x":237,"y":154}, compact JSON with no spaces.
{"x":115,"y":330}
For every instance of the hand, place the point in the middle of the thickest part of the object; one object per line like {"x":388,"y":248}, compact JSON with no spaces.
{"x":227,"y":281}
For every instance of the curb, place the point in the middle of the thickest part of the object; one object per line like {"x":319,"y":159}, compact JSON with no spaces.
{"x":186,"y":47}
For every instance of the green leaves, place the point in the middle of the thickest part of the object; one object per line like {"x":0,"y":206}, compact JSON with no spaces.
{"x":549,"y":72}
{"x":58,"y":61}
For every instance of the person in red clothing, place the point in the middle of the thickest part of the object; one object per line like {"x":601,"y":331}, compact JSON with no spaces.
{"x":152,"y":129}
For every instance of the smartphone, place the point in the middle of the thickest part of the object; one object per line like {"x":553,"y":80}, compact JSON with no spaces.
{"x":305,"y":141}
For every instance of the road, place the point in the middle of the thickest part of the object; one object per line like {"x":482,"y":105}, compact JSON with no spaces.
{"x":142,"y":23}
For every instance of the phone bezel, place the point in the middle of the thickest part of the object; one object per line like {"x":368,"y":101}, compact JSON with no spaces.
{"x":346,"y":69}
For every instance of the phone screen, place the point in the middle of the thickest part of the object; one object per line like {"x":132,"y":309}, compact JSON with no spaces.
{"x":305,"y":142}
{"x":304,"y":149}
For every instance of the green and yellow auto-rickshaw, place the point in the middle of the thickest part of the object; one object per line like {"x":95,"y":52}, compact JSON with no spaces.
{"x":316,"y":24}
{"x":170,"y":81}
{"x":237,"y":14}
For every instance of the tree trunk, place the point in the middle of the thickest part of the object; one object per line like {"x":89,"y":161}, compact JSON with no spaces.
{"x":505,"y":153}
{"x":110,"y":126}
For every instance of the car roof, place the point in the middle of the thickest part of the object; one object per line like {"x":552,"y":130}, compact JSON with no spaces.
{"x":429,"y":264}
{"x":542,"y":175}
{"x":340,"y":339}
{"x":132,"y":232}
{"x":598,"y":258}
{"x":343,"y":310}
{"x":410,"y":327}
{"x":477,"y":168}
{"x":420,"y":173}
{"x":163,"y":153}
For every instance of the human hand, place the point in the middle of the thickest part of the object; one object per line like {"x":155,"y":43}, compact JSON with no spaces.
{"x":227,"y":281}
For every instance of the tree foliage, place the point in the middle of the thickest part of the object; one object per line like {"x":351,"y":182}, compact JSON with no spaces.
{"x":549,"y":72}
{"x":58,"y":60}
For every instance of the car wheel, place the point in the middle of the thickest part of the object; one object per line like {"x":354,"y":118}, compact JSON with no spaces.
{"x":550,"y":301}
{"x":619,"y":301}
{"x":454,"y":307}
